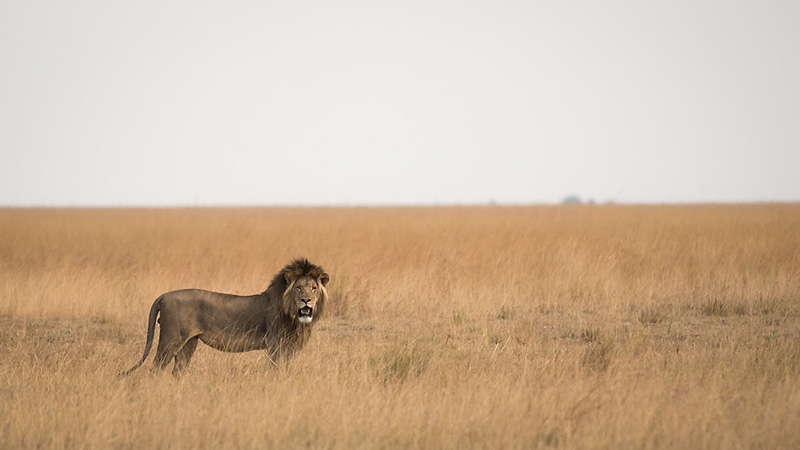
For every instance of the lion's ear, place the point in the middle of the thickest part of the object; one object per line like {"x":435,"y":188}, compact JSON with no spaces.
{"x":324,"y":278}
{"x":288,"y":277}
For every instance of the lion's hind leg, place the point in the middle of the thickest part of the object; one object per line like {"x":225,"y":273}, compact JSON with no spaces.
{"x":169,"y":345}
{"x":184,"y":356}
{"x":164,"y":354}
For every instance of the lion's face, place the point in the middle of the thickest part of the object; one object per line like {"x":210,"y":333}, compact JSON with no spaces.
{"x":307,"y":295}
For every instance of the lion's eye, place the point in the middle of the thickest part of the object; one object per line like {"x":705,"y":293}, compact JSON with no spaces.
{"x":298,"y":288}
{"x":313,"y":289}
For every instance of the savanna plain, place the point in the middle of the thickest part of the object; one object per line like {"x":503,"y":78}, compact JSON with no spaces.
{"x":569,"y":326}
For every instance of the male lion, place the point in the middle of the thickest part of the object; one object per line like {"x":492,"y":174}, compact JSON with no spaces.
{"x":278,"y":320}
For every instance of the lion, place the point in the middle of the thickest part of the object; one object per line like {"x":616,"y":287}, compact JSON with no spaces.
{"x":278,"y":320}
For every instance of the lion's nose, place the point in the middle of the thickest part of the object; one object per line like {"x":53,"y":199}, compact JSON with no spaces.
{"x":305,"y":300}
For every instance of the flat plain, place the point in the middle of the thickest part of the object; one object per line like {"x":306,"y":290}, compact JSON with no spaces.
{"x":569,"y":326}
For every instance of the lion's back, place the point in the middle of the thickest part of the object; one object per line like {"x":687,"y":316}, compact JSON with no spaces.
{"x":202,"y":305}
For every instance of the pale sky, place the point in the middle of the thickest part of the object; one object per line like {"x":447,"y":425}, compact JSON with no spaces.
{"x":118,"y":103}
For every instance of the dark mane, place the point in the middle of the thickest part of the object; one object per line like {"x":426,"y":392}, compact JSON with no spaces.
{"x":295,"y":269}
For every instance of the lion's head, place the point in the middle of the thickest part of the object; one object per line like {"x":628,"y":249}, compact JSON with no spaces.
{"x":305,"y":295}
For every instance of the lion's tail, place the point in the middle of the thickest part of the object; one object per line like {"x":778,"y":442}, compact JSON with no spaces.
{"x":151,"y":330}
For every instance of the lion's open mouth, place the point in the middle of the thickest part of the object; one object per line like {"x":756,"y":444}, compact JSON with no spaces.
{"x":304,"y":314}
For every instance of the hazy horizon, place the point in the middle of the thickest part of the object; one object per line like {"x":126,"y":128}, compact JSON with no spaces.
{"x":398,"y":103}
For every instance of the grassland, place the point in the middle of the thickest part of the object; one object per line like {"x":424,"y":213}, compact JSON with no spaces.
{"x":458,"y":327}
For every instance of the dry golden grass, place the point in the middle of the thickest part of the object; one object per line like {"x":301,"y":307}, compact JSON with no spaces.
{"x":459,"y":327}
